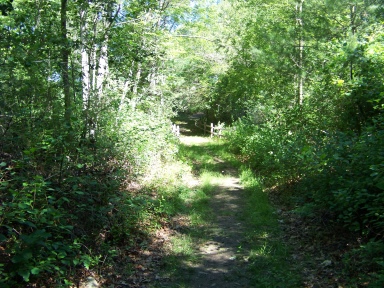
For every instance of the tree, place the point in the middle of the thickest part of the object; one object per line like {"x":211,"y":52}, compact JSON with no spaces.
{"x":65,"y":56}
{"x":194,"y":59}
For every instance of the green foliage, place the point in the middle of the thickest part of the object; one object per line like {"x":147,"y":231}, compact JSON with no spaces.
{"x":271,"y":149}
{"x":359,"y":262}
{"x":340,"y":172}
{"x":193,"y":58}
{"x":44,"y":195}
{"x":144,"y":139}
{"x":61,"y":181}
{"x":352,"y":168}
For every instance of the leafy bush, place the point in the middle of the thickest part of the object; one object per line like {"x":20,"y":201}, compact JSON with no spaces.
{"x":347,"y":179}
{"x":366,"y":262}
{"x":275,"y":152}
{"x":341,"y":173}
{"x":36,"y":230}
{"x":44,"y":195}
{"x":144,"y":139}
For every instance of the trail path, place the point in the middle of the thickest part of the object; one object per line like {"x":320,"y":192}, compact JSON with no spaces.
{"x":222,"y":262}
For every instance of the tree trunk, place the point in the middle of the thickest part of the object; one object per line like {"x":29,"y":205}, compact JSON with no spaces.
{"x":127,"y":85}
{"x":85,"y":73}
{"x":102,"y":69}
{"x":300,"y":83}
{"x":353,"y":30}
{"x":64,"y":63}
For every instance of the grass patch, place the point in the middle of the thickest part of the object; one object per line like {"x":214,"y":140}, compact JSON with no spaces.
{"x":268,"y":257}
{"x":211,"y":156}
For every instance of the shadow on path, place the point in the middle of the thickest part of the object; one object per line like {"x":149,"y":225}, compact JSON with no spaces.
{"x":221,"y":255}
{"x":223,"y":258}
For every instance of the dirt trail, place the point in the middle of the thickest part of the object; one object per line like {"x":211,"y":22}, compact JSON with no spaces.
{"x":222,"y":257}
{"x":222,"y":262}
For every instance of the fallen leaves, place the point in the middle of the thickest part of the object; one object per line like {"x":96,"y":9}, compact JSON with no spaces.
{"x":317,"y":247}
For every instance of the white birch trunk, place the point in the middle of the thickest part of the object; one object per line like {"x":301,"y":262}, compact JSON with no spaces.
{"x":137,"y":79}
{"x":103,"y":70}
{"x":86,"y":77}
{"x":86,"y":81}
{"x":92,"y":68}
{"x":135,"y":97}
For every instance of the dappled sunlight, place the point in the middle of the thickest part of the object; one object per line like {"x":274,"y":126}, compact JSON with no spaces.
{"x":182,"y":245}
{"x":264,"y":250}
{"x":222,"y":256}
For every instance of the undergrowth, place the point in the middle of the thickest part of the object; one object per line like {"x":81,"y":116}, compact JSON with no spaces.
{"x":333,"y":179}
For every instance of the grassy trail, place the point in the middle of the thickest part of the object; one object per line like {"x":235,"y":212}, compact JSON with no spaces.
{"x":227,"y":234}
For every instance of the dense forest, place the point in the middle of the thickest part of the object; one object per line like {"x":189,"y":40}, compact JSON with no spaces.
{"x":88,"y":91}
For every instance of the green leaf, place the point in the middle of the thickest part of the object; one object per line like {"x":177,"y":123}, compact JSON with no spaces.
{"x":75,"y":261}
{"x":22,"y":257}
{"x":61,"y":255}
{"x":86,"y":259}
{"x":65,"y":262}
{"x":35,"y":270}
{"x":4,"y":184}
{"x":30,"y":224}
{"x":23,"y":206}
{"x":25,"y":274}
{"x":3,"y":164}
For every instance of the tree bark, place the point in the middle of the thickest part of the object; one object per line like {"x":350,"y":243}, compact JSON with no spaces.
{"x":127,"y":86}
{"x":64,"y":63}
{"x":85,"y":71}
{"x":102,"y":69}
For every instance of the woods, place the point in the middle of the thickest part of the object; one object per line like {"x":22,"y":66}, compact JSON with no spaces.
{"x":81,"y":114}
{"x":89,"y":90}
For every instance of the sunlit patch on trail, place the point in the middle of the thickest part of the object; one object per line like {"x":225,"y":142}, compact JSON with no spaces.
{"x":194,"y":140}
